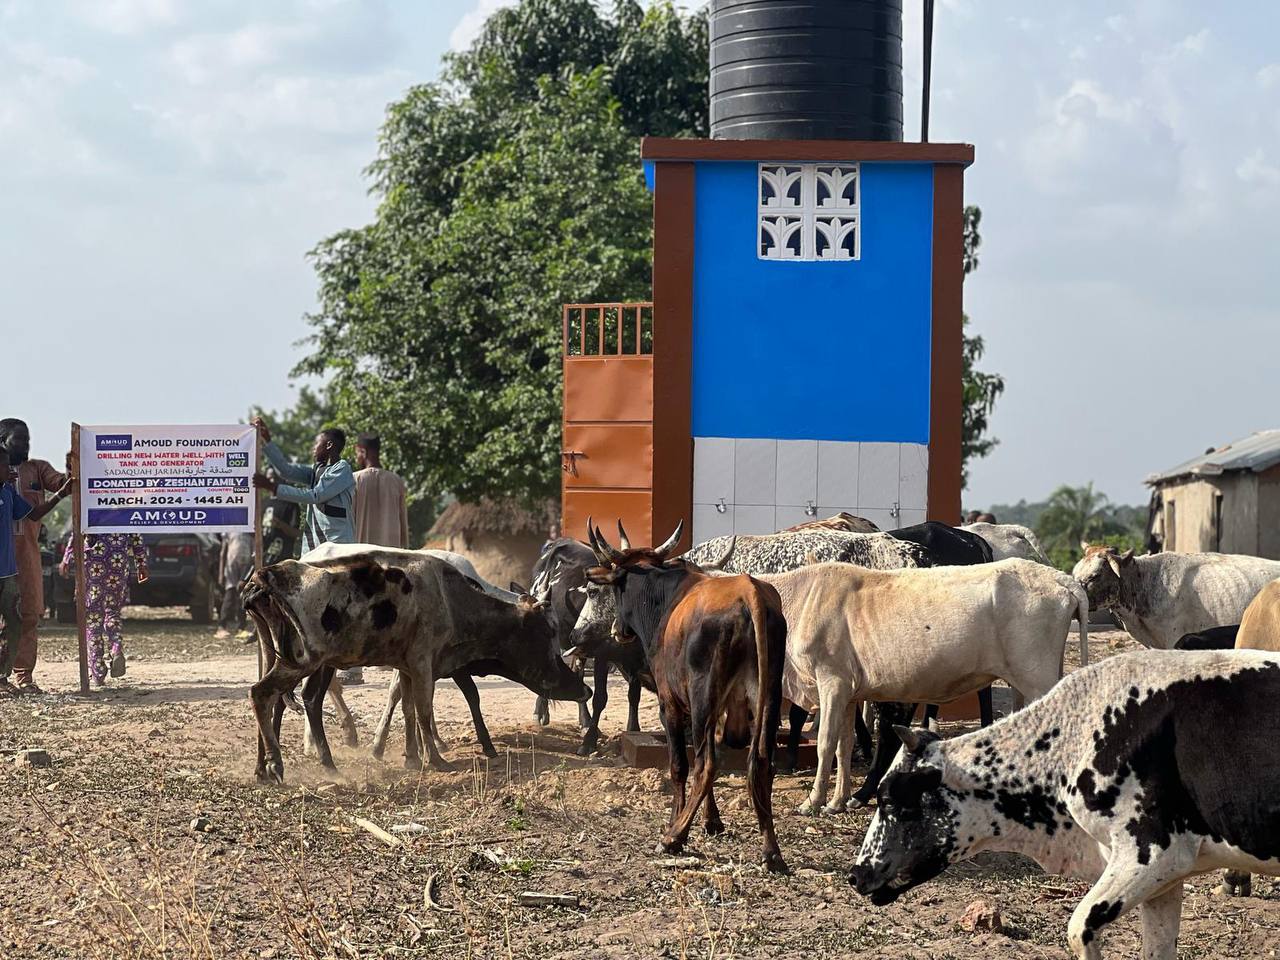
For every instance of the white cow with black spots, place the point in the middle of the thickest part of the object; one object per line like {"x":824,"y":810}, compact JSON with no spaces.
{"x":1133,"y":774}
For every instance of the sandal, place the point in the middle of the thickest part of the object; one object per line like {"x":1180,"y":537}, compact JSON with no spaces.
{"x":28,"y":688}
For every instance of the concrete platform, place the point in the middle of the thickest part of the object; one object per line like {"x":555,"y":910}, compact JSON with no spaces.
{"x":648,"y":750}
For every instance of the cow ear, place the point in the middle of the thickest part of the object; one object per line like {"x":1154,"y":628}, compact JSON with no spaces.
{"x":603,"y":576}
{"x":1126,"y":557}
{"x":1084,"y":546}
{"x":907,"y":789}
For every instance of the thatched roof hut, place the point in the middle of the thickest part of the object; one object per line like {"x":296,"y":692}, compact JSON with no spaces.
{"x":503,"y":538}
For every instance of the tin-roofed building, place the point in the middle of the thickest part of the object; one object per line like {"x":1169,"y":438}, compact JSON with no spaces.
{"x":1226,"y":500}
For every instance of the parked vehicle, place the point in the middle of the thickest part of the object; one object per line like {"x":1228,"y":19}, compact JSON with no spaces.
{"x":183,"y":572}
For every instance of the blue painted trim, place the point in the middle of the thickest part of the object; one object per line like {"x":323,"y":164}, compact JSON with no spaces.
{"x":648,"y":174}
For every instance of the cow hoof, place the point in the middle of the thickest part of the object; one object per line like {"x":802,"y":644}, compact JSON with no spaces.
{"x":541,"y":719}
{"x":413,"y":763}
{"x":832,"y":808}
{"x":490,"y":752}
{"x":275,"y":772}
{"x":855,"y":803}
{"x":714,"y":827}
{"x":807,"y":809}
{"x":350,"y":737}
{"x":586,"y":750}
{"x":774,"y":863}
{"x":441,"y":765}
{"x":671,"y":847}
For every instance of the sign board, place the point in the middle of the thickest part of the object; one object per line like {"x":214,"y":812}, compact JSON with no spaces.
{"x":168,"y":479}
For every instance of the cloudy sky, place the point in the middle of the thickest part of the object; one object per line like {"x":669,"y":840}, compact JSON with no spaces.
{"x":166,"y":164}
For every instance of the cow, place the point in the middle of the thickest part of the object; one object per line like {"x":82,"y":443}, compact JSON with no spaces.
{"x":776,"y":552}
{"x":462,"y":678}
{"x":715,"y":646}
{"x":560,"y":577}
{"x":1259,"y":630}
{"x":400,"y":609}
{"x":1009,"y":540}
{"x":1131,"y":774}
{"x":919,"y":636}
{"x":780,"y":552}
{"x":842,"y":521}
{"x":1215,"y":638}
{"x":949,"y":547}
{"x":1160,"y":598}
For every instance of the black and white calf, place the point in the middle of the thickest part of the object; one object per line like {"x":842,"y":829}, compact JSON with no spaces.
{"x":1133,"y":773}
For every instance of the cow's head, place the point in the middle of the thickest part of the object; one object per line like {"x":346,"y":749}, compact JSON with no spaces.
{"x":1101,"y":571}
{"x":912,"y":837}
{"x":534,"y":656}
{"x":642,"y":581}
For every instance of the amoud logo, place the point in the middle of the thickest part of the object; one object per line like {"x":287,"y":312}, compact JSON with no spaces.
{"x":114,"y":441}
{"x":168,"y":516}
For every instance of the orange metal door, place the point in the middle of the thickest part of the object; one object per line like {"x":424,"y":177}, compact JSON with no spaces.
{"x":607,"y":450}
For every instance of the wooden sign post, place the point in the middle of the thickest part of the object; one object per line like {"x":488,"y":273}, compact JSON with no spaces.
{"x":259,"y":501}
{"x":77,"y":540}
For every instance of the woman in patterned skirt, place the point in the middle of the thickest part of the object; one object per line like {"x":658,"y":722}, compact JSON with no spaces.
{"x":107,"y":559}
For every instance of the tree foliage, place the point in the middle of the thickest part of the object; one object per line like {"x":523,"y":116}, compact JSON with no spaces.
{"x":507,"y":187}
{"x":981,"y":389}
{"x":294,"y":428}
{"x":510,"y":186}
{"x":1074,"y":514}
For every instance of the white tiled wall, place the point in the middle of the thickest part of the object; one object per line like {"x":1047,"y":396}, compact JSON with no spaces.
{"x":759,"y":486}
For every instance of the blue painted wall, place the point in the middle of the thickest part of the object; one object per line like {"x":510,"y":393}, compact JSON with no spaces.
{"x":813,"y":351}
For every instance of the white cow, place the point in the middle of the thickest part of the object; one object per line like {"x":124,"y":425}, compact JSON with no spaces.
{"x":928,"y":635}
{"x":1162,"y":597}
{"x":1009,"y":540}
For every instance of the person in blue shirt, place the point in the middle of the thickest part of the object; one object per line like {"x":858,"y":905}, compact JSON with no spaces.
{"x":13,"y":509}
{"x":327,"y":488}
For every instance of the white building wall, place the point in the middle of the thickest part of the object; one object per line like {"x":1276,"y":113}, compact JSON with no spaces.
{"x":759,"y":486}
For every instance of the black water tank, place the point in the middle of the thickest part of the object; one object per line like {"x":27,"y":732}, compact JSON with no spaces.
{"x":806,"y":69}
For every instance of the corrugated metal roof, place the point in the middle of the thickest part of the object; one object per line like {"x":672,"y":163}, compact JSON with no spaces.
{"x":1256,"y":452}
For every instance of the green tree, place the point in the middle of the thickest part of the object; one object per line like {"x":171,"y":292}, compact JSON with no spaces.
{"x":507,"y":187}
{"x":294,"y":428}
{"x":981,"y":389}
{"x":1074,"y":514}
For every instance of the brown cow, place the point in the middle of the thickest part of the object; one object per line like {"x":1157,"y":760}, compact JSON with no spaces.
{"x":715,"y":646}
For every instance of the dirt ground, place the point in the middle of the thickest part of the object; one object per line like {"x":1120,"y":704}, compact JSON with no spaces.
{"x":148,"y":837}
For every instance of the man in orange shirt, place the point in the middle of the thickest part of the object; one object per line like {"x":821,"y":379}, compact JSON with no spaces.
{"x":35,"y":479}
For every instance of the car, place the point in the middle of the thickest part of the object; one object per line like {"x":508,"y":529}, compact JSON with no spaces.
{"x":182,"y":572}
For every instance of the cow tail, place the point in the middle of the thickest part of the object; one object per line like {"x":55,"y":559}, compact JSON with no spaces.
{"x":1082,"y":616}
{"x":764,"y":689}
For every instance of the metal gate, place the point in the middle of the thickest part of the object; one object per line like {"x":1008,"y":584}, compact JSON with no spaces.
{"x":607,"y":448}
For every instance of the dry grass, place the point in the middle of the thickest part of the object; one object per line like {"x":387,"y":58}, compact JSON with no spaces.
{"x":98,"y":858}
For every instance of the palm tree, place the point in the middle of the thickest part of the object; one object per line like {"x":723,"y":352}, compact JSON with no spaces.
{"x":1075,"y":514}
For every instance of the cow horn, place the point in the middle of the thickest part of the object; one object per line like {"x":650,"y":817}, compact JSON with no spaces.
{"x":624,"y":542}
{"x":601,"y":556}
{"x":908,"y":737}
{"x":610,"y":555}
{"x":733,"y":542}
{"x":671,"y":541}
